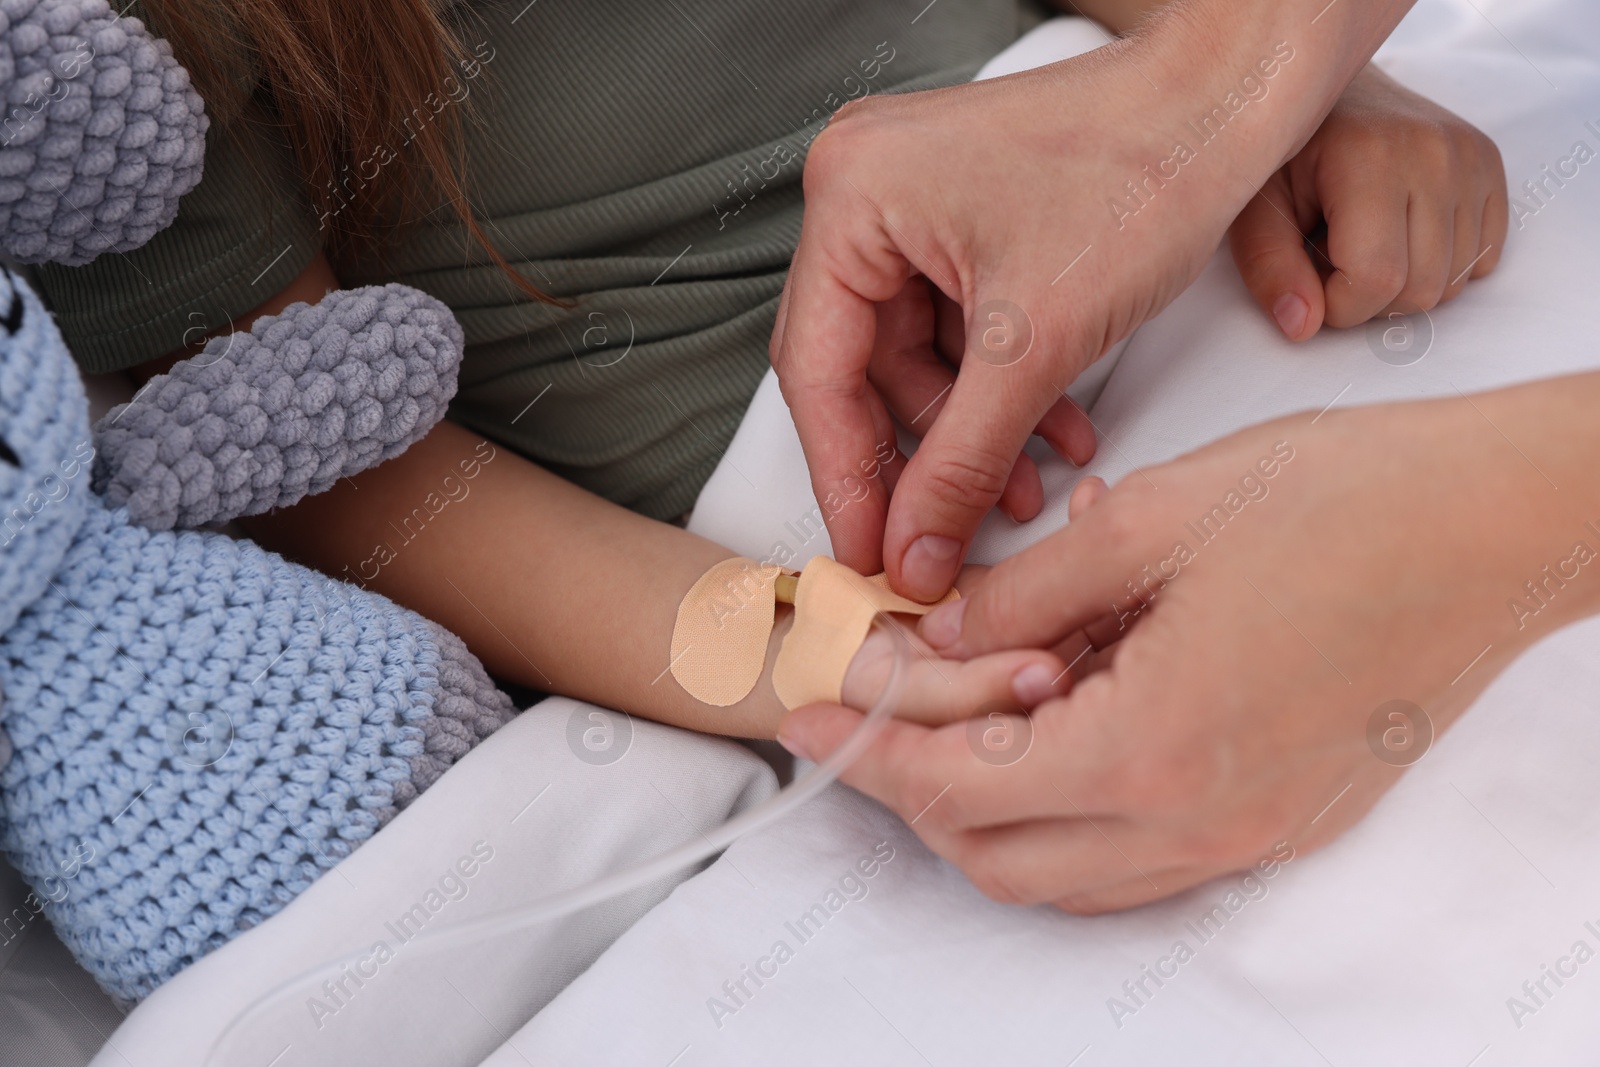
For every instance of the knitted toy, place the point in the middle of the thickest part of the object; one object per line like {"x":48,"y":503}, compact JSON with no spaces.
{"x":101,"y":136}
{"x":259,"y":420}
{"x":192,"y":729}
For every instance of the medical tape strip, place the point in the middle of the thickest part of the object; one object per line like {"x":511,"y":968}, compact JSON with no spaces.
{"x":833,"y":610}
{"x":719,"y":641}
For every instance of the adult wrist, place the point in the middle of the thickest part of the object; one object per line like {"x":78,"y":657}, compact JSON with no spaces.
{"x":1274,"y":67}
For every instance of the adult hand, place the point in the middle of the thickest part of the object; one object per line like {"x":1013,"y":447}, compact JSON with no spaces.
{"x":1299,"y":575}
{"x":1057,"y":210}
{"x":1413,"y":201}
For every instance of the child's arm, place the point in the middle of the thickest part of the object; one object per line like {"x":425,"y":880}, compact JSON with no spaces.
{"x":1403,"y":201}
{"x":562,"y":591}
{"x":557,"y":589}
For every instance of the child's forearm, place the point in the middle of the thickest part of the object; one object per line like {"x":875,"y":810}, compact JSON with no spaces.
{"x":549,"y":585}
{"x":556,"y":589}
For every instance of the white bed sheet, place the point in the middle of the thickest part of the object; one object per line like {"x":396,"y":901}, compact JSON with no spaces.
{"x":520,"y":817}
{"x":1402,"y":942}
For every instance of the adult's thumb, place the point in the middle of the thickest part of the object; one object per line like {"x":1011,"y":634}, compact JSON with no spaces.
{"x":958,"y":473}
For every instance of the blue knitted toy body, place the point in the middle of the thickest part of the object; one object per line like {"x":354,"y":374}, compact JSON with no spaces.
{"x":192,"y":729}
{"x":198,"y":728}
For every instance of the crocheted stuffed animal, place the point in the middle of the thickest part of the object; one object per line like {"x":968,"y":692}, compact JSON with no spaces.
{"x":192,"y":729}
{"x":101,"y":136}
{"x":259,"y":420}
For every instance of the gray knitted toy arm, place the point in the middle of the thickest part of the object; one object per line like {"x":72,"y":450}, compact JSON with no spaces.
{"x":260,"y":419}
{"x":101,"y":135}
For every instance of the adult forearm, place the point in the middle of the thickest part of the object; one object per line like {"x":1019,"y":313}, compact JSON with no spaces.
{"x":1267,"y":70}
{"x":1213,"y":46}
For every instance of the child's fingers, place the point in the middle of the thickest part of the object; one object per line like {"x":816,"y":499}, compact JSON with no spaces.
{"x":1481,"y":223}
{"x":1480,"y":234}
{"x":1430,"y":246}
{"x":1496,"y":221}
{"x":940,"y":691}
{"x":1084,"y":494}
{"x":1270,"y":251}
{"x":1369,"y":242}
{"x":969,"y":576}
{"x":1467,"y":244}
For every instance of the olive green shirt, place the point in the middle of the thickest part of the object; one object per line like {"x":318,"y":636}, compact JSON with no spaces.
{"x":640,"y":159}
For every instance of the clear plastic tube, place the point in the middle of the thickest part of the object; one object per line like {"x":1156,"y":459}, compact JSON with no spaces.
{"x":565,"y":903}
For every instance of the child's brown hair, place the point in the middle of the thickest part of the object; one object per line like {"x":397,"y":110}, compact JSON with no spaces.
{"x":347,"y":79}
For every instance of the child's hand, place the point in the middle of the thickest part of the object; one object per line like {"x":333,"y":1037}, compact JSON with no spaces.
{"x":1414,"y":199}
{"x":940,"y":691}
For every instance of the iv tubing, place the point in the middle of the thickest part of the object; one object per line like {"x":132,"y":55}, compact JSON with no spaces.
{"x":602,"y":889}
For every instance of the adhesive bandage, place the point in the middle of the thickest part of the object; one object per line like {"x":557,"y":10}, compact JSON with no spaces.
{"x":833,"y":610}
{"x":719,"y":642}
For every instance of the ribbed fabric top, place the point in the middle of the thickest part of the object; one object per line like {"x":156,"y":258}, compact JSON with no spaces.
{"x":641,"y":159}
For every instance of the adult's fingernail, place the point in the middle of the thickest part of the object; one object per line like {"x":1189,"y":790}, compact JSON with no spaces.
{"x":1291,"y":311}
{"x":1034,"y":684}
{"x":941,"y":627}
{"x":929,"y":567}
{"x":791,"y":741}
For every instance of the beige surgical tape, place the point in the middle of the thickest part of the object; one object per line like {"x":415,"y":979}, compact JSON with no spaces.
{"x":719,"y":643}
{"x":833,"y":609}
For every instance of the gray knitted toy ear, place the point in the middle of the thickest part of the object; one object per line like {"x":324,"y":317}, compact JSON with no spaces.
{"x":101,"y":136}
{"x":259,"y":420}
